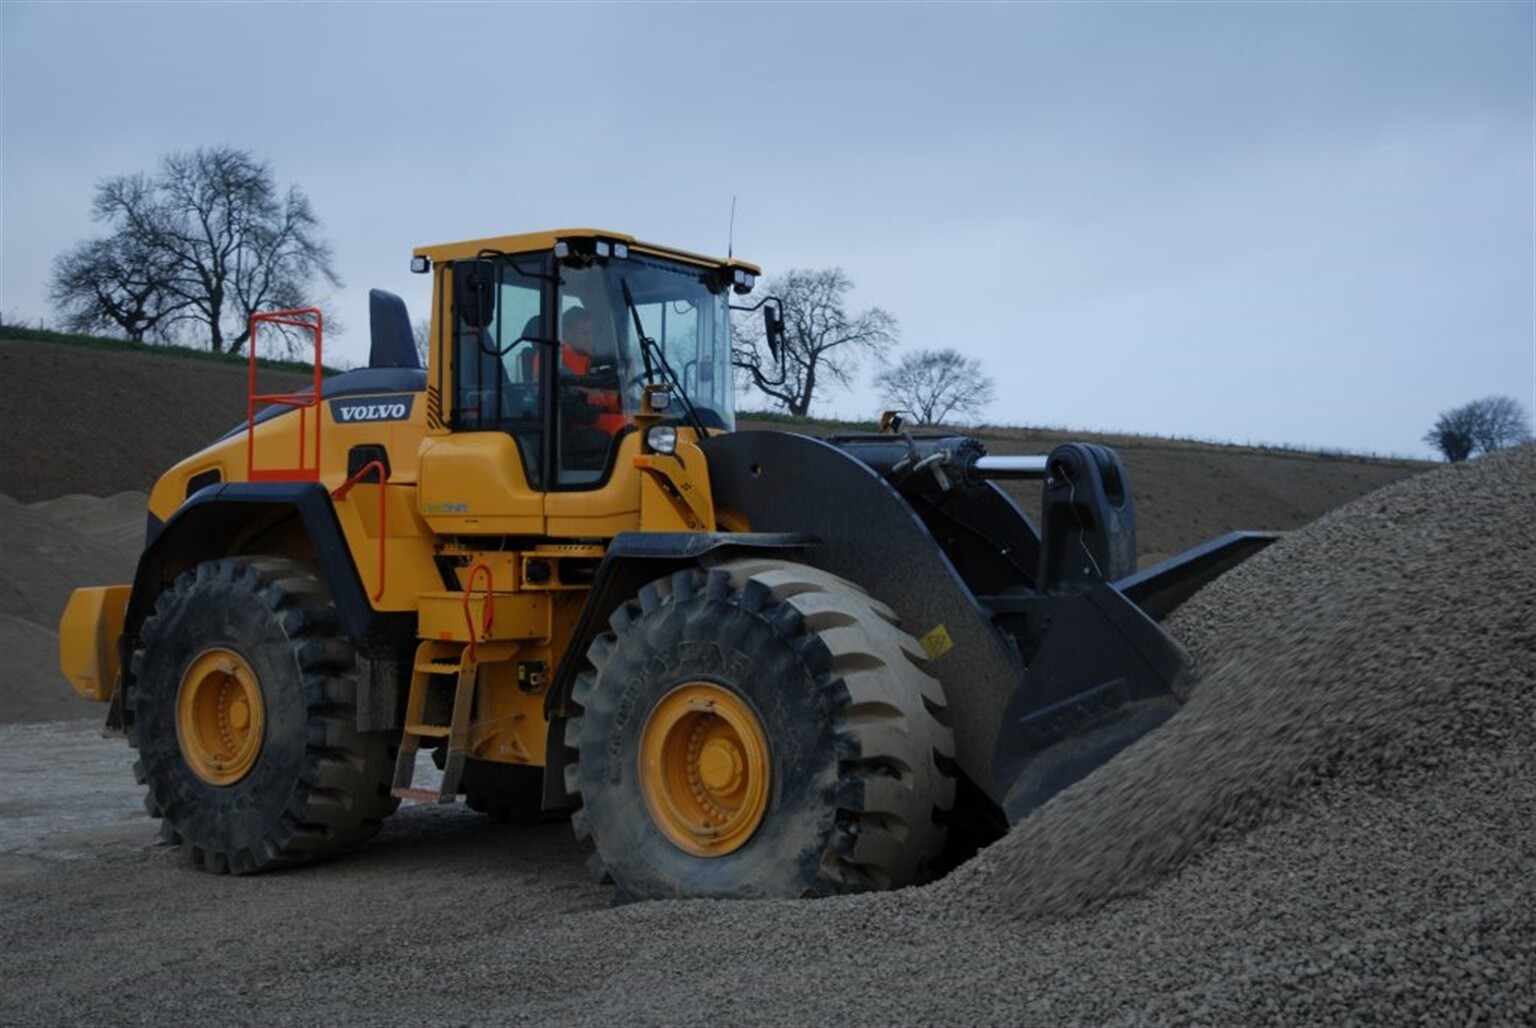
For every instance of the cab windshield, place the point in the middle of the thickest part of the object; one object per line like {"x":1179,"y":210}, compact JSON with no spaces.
{"x":678,"y":312}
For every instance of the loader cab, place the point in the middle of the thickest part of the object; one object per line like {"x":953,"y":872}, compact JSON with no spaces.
{"x":554,"y":345}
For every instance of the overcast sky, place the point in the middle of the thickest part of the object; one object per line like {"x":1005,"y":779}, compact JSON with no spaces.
{"x":1306,"y":224}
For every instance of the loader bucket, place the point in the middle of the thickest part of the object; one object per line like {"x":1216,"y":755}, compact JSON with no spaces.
{"x":1048,"y":665}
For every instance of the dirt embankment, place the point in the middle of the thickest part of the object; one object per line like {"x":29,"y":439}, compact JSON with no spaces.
{"x":99,"y":422}
{"x":82,"y":419}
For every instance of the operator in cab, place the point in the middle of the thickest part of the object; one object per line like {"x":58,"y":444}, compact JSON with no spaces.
{"x":589,"y":385}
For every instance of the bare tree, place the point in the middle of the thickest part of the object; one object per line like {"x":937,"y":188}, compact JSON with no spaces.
{"x":1483,"y":426}
{"x":822,"y":342}
{"x":935,"y":384}
{"x":421,"y":335}
{"x":117,"y":282}
{"x":1451,"y":437}
{"x":227,"y":245}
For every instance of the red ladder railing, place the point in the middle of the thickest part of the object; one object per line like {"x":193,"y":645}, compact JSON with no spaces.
{"x":375,"y":467}
{"x":488,"y":617}
{"x":308,"y":319}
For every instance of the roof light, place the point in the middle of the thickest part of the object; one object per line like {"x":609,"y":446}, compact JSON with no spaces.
{"x":621,"y":251}
{"x":421,"y":265}
{"x":602,"y":248}
{"x":562,"y":250}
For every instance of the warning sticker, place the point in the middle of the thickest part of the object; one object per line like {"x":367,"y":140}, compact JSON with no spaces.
{"x":937,"y":643}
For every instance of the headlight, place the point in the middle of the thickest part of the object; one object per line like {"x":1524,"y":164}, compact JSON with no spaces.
{"x":661,"y":439}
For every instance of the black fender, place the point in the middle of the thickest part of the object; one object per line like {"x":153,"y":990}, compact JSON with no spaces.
{"x":632,"y":560}
{"x":1048,"y":670}
{"x":232,"y":519}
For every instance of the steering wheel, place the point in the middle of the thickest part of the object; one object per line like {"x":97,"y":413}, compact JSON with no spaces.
{"x":519,"y":400}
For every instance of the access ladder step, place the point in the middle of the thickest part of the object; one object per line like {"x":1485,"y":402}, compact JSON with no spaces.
{"x":460,"y":663}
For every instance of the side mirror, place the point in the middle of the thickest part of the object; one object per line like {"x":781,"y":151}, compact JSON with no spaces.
{"x":474,"y":292}
{"x":773,"y":329}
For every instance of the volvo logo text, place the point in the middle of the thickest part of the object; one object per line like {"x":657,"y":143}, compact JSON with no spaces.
{"x":374,"y":408}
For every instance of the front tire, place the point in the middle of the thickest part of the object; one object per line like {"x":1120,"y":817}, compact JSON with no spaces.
{"x":760,"y":729}
{"x":244,"y":715}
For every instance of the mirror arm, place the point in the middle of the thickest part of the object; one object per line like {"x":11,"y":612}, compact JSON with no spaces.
{"x":773,"y":324}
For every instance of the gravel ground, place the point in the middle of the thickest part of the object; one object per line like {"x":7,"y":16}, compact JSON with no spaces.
{"x":1337,"y":828}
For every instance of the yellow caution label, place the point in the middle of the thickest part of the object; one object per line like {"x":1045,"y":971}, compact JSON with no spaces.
{"x":937,"y":642}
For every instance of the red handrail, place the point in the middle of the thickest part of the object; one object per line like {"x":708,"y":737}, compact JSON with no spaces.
{"x":308,"y":318}
{"x":340,"y":493}
{"x":490,"y":608}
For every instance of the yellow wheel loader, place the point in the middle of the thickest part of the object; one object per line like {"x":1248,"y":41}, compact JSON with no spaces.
{"x":745,"y":664}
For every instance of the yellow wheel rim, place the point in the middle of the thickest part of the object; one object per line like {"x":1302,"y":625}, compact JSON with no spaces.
{"x":705,"y":769}
{"x":220,"y":717}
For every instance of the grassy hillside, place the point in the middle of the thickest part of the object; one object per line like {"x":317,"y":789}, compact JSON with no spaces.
{"x":102,"y":417}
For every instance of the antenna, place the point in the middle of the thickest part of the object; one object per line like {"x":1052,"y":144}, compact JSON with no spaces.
{"x":730,"y":235}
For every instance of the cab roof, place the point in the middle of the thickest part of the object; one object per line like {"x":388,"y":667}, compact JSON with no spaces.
{"x":527,"y":242}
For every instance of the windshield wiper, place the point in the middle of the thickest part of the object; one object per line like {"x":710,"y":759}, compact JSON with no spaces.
{"x":649,"y":351}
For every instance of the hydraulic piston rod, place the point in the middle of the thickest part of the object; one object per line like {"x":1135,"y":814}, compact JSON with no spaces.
{"x":1031,"y":467}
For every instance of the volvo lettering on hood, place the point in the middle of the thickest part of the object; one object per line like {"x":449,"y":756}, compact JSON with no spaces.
{"x":372,"y":408}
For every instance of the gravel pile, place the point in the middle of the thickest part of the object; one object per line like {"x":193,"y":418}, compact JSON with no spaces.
{"x":48,"y":550}
{"x":1396,"y":632}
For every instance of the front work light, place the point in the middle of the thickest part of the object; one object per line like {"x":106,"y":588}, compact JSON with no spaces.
{"x":661,"y":439}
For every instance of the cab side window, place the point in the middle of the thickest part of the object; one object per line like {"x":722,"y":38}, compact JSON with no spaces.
{"x":496,"y":335}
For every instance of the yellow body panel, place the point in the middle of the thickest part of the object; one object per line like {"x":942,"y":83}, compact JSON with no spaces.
{"x":88,"y":631}
{"x":404,"y":571}
{"x":675,"y":494}
{"x":514,"y":616}
{"x":509,"y":725}
{"x":604,"y":512}
{"x":472,"y":483}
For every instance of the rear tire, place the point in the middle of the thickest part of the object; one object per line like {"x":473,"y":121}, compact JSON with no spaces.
{"x":760,"y":729}
{"x":244,"y":714}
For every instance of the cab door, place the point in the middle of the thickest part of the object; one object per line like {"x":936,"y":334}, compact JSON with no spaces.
{"x":484,"y":475}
